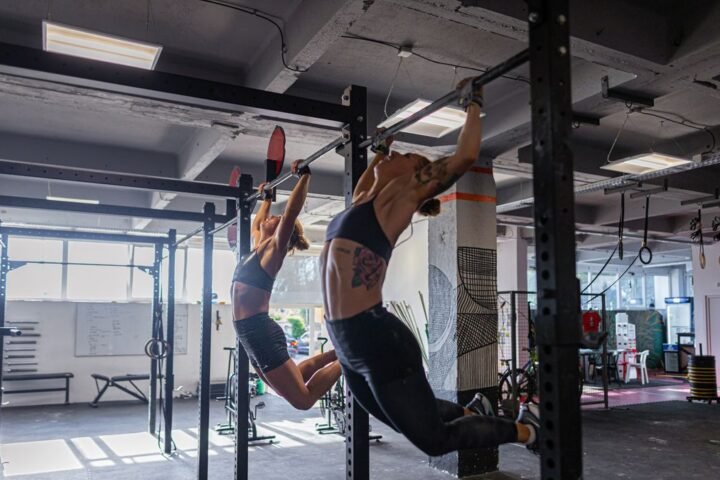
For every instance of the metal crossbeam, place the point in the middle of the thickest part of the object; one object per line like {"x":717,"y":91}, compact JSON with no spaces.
{"x":76,"y":235}
{"x":99,"y":177}
{"x":19,"y":263}
{"x":120,"y":210}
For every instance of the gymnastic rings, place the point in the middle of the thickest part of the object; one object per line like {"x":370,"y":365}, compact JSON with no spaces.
{"x":645,"y":255}
{"x":157,"y":349}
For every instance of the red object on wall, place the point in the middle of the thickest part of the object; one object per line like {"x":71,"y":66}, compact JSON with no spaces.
{"x":591,"y":321}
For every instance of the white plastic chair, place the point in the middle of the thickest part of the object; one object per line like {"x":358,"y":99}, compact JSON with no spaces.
{"x":639,"y":364}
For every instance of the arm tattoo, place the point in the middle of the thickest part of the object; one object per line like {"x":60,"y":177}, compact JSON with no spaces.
{"x":367,"y":268}
{"x":436,"y":172}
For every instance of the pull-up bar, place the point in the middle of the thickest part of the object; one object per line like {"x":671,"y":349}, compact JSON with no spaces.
{"x":338,"y":142}
{"x":456,"y":95}
{"x":451,"y":97}
{"x":19,"y":263}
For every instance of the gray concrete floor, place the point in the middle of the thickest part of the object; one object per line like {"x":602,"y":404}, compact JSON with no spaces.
{"x":669,"y":440}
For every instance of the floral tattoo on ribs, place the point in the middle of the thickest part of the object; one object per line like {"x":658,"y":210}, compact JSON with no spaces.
{"x":367,"y":268}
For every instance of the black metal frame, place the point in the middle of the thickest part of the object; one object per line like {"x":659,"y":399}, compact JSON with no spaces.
{"x":514,"y":342}
{"x":357,"y":430}
{"x":4,"y":270}
{"x":557,"y":327}
{"x":159,"y":242}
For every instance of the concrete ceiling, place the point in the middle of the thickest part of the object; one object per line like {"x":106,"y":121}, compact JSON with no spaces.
{"x":668,"y":50}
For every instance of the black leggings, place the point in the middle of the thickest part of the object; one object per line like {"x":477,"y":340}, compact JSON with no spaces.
{"x":382,"y":364}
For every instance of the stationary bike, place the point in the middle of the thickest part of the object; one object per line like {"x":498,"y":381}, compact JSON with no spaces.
{"x":228,"y":428}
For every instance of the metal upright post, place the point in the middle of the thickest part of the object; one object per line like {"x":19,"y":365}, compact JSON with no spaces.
{"x":205,"y":337}
{"x":356,"y":418}
{"x":558,"y":321}
{"x":4,"y":269}
{"x":170,"y":339}
{"x":514,"y":347}
{"x":242,"y":365}
{"x":155,"y":335}
{"x":604,"y":353}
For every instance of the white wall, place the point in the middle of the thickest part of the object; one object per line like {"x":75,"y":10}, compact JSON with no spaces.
{"x":56,"y":353}
{"x":706,"y":283}
{"x":512,"y":262}
{"x":408,"y":271}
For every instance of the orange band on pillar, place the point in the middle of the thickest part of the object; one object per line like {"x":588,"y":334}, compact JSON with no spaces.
{"x":470,"y":197}
{"x":485,"y":170}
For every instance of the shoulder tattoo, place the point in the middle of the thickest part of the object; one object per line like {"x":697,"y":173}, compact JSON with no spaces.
{"x":436,"y":172}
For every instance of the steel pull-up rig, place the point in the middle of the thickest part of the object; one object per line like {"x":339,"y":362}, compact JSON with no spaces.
{"x":557,"y":325}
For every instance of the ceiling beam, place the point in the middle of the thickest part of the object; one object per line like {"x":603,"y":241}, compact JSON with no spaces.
{"x":198,"y":153}
{"x":613,"y":24}
{"x":28,"y":63}
{"x":309,"y":33}
{"x":599,"y":34}
{"x":588,"y":159}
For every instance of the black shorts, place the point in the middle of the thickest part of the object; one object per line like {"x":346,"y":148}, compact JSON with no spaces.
{"x":263,"y":340}
{"x":375,"y":343}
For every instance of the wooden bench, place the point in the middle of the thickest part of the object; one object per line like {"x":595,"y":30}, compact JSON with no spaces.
{"x":39,"y":376}
{"x":117,"y":382}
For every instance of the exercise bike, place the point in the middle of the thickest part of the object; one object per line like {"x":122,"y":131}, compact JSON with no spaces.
{"x":228,"y":428}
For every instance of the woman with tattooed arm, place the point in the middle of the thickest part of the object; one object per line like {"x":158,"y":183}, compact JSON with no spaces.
{"x":262,"y":338}
{"x":379,"y":355}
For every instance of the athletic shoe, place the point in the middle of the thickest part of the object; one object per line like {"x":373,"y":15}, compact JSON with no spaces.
{"x":530,"y":416}
{"x":481,"y":405}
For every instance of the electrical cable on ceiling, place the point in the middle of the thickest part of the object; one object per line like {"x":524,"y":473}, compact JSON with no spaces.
{"x":268,"y":18}
{"x":617,"y":136}
{"x":683,"y":122}
{"x":398,"y":48}
{"x":392,"y":85}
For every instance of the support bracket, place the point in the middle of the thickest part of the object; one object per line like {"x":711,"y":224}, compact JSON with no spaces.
{"x":624,"y":95}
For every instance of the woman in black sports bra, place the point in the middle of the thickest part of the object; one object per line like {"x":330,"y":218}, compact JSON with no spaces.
{"x":380,"y":358}
{"x":262,"y":338}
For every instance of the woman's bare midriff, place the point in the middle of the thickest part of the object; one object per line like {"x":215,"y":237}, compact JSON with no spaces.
{"x":352,"y":278}
{"x":248,"y":301}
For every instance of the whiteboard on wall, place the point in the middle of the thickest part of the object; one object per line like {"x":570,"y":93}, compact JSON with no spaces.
{"x":105,"y":329}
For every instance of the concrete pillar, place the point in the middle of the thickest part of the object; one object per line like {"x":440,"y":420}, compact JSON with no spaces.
{"x":463,"y":306}
{"x":512,"y":261}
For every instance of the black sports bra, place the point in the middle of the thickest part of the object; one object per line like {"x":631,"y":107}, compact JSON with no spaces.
{"x":360,"y":224}
{"x":250,"y":272}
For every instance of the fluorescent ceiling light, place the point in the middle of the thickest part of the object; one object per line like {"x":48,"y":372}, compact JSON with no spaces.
{"x":647,"y":162}
{"x":96,"y":46}
{"x":436,"y":125}
{"x":72,"y":200}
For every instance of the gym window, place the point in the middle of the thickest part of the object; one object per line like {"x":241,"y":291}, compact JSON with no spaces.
{"x":98,"y":283}
{"x":23,"y":282}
